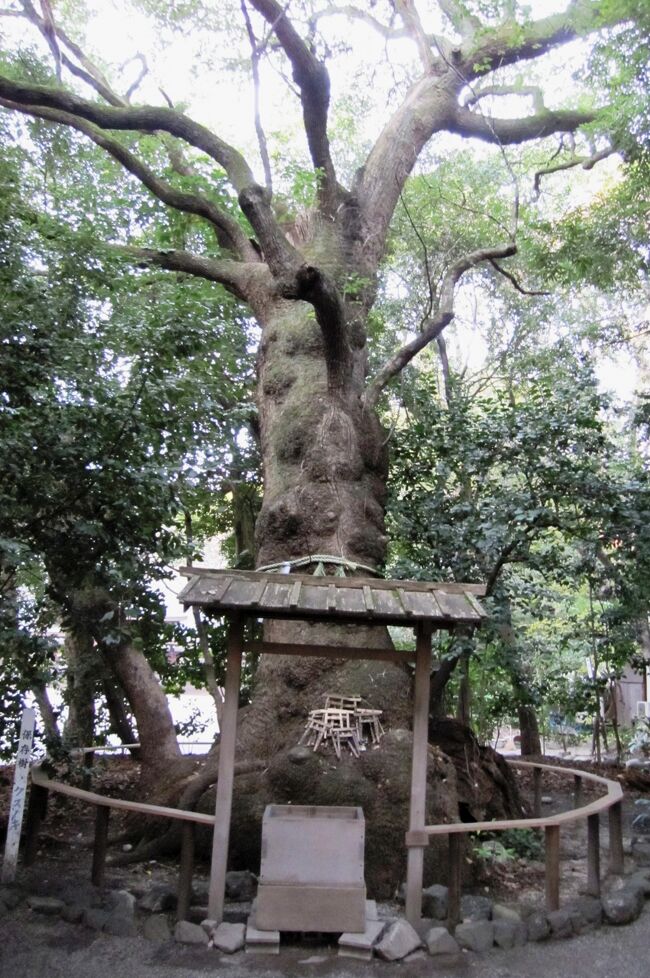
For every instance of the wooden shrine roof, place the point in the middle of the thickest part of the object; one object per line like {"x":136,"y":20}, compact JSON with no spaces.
{"x":351,"y":599}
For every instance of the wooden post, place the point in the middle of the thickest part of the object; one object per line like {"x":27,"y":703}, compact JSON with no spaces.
{"x":616,"y":838}
{"x":593,"y":855}
{"x":537,"y":792}
{"x":455,"y":880}
{"x":552,"y":833}
{"x":577,"y":791}
{"x":36,"y":812}
{"x":102,"y":815}
{"x":417,"y":809}
{"x":186,"y":870}
{"x":227,"y":745}
{"x":18,"y":793}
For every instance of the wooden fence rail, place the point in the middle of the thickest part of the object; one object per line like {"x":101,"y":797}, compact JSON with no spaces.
{"x":611,"y":801}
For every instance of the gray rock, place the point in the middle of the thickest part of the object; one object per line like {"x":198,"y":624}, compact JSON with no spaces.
{"x":509,"y":933}
{"x":4,"y":909}
{"x":238,"y":914}
{"x":640,"y":879}
{"x":435,"y":902}
{"x":187,"y":933}
{"x":560,"y":923}
{"x":209,"y":925}
{"x":623,"y":906}
{"x":641,"y":824}
{"x":641,"y":850}
{"x":73,"y":913}
{"x":159,"y":899}
{"x":121,"y":925}
{"x":229,"y":937}
{"x":537,"y":926}
{"x":475,"y":935}
{"x":120,"y":901}
{"x":95,"y":918}
{"x":500,"y":912}
{"x":241,"y":887}
{"x":440,"y":941}
{"x":398,"y":940}
{"x":475,"y":907}
{"x":156,"y":928}
{"x":45,"y":905}
{"x":11,"y":896}
{"x":424,"y":925}
{"x":586,"y":913}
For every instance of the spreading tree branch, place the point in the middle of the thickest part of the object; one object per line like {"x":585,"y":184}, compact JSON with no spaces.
{"x":413,"y":25}
{"x":235,"y":276}
{"x":586,"y":162}
{"x":508,"y":131}
{"x":86,"y":70}
{"x":459,"y":18}
{"x":259,"y":129}
{"x":534,"y":91}
{"x":347,"y":10}
{"x":229,"y":234}
{"x":514,"y":281}
{"x":431,"y":105}
{"x":312,"y":78}
{"x":434,"y":324}
{"x":513,"y":42}
{"x":253,"y":199}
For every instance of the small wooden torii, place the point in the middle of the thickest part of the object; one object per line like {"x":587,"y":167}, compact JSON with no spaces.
{"x":423,"y":606}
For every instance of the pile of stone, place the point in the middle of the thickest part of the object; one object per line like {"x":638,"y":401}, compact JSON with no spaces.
{"x":485,"y":924}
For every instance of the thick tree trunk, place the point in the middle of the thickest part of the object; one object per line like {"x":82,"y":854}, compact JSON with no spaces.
{"x":530,"y":743}
{"x":81,"y":675}
{"x":149,"y":704}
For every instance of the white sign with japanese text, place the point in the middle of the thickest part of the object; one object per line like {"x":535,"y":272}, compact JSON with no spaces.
{"x":23,"y":760}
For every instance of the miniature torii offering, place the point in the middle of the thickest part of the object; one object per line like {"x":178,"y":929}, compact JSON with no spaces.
{"x":342,"y":721}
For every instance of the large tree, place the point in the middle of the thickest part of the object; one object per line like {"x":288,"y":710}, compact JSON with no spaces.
{"x":309,"y":267}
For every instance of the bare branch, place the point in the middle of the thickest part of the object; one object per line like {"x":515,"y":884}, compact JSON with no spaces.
{"x":259,"y":129}
{"x":531,"y":90}
{"x":86,"y":70}
{"x":507,"y":131}
{"x":312,"y":78}
{"x":142,"y":74}
{"x":413,"y":24}
{"x":229,"y":234}
{"x":49,"y":32}
{"x":435,"y":324}
{"x":586,"y":162}
{"x":513,"y":280}
{"x":347,"y":10}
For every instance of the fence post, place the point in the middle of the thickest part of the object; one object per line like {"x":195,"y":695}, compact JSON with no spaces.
{"x":593,"y":855}
{"x":537,"y":792}
{"x":455,"y":879}
{"x":552,"y":833}
{"x":100,"y":846}
{"x":36,"y":812}
{"x":577,"y":791}
{"x":186,"y":870}
{"x":616,"y":838}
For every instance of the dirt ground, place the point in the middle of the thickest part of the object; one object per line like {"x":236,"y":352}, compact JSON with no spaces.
{"x":42,"y":947}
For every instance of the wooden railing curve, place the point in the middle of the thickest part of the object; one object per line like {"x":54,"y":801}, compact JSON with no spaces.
{"x":611,"y":801}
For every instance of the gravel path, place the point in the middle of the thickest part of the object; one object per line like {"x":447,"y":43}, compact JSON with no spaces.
{"x":33,"y":946}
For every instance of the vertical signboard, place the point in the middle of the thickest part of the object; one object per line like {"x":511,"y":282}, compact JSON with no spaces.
{"x":23,"y":759}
